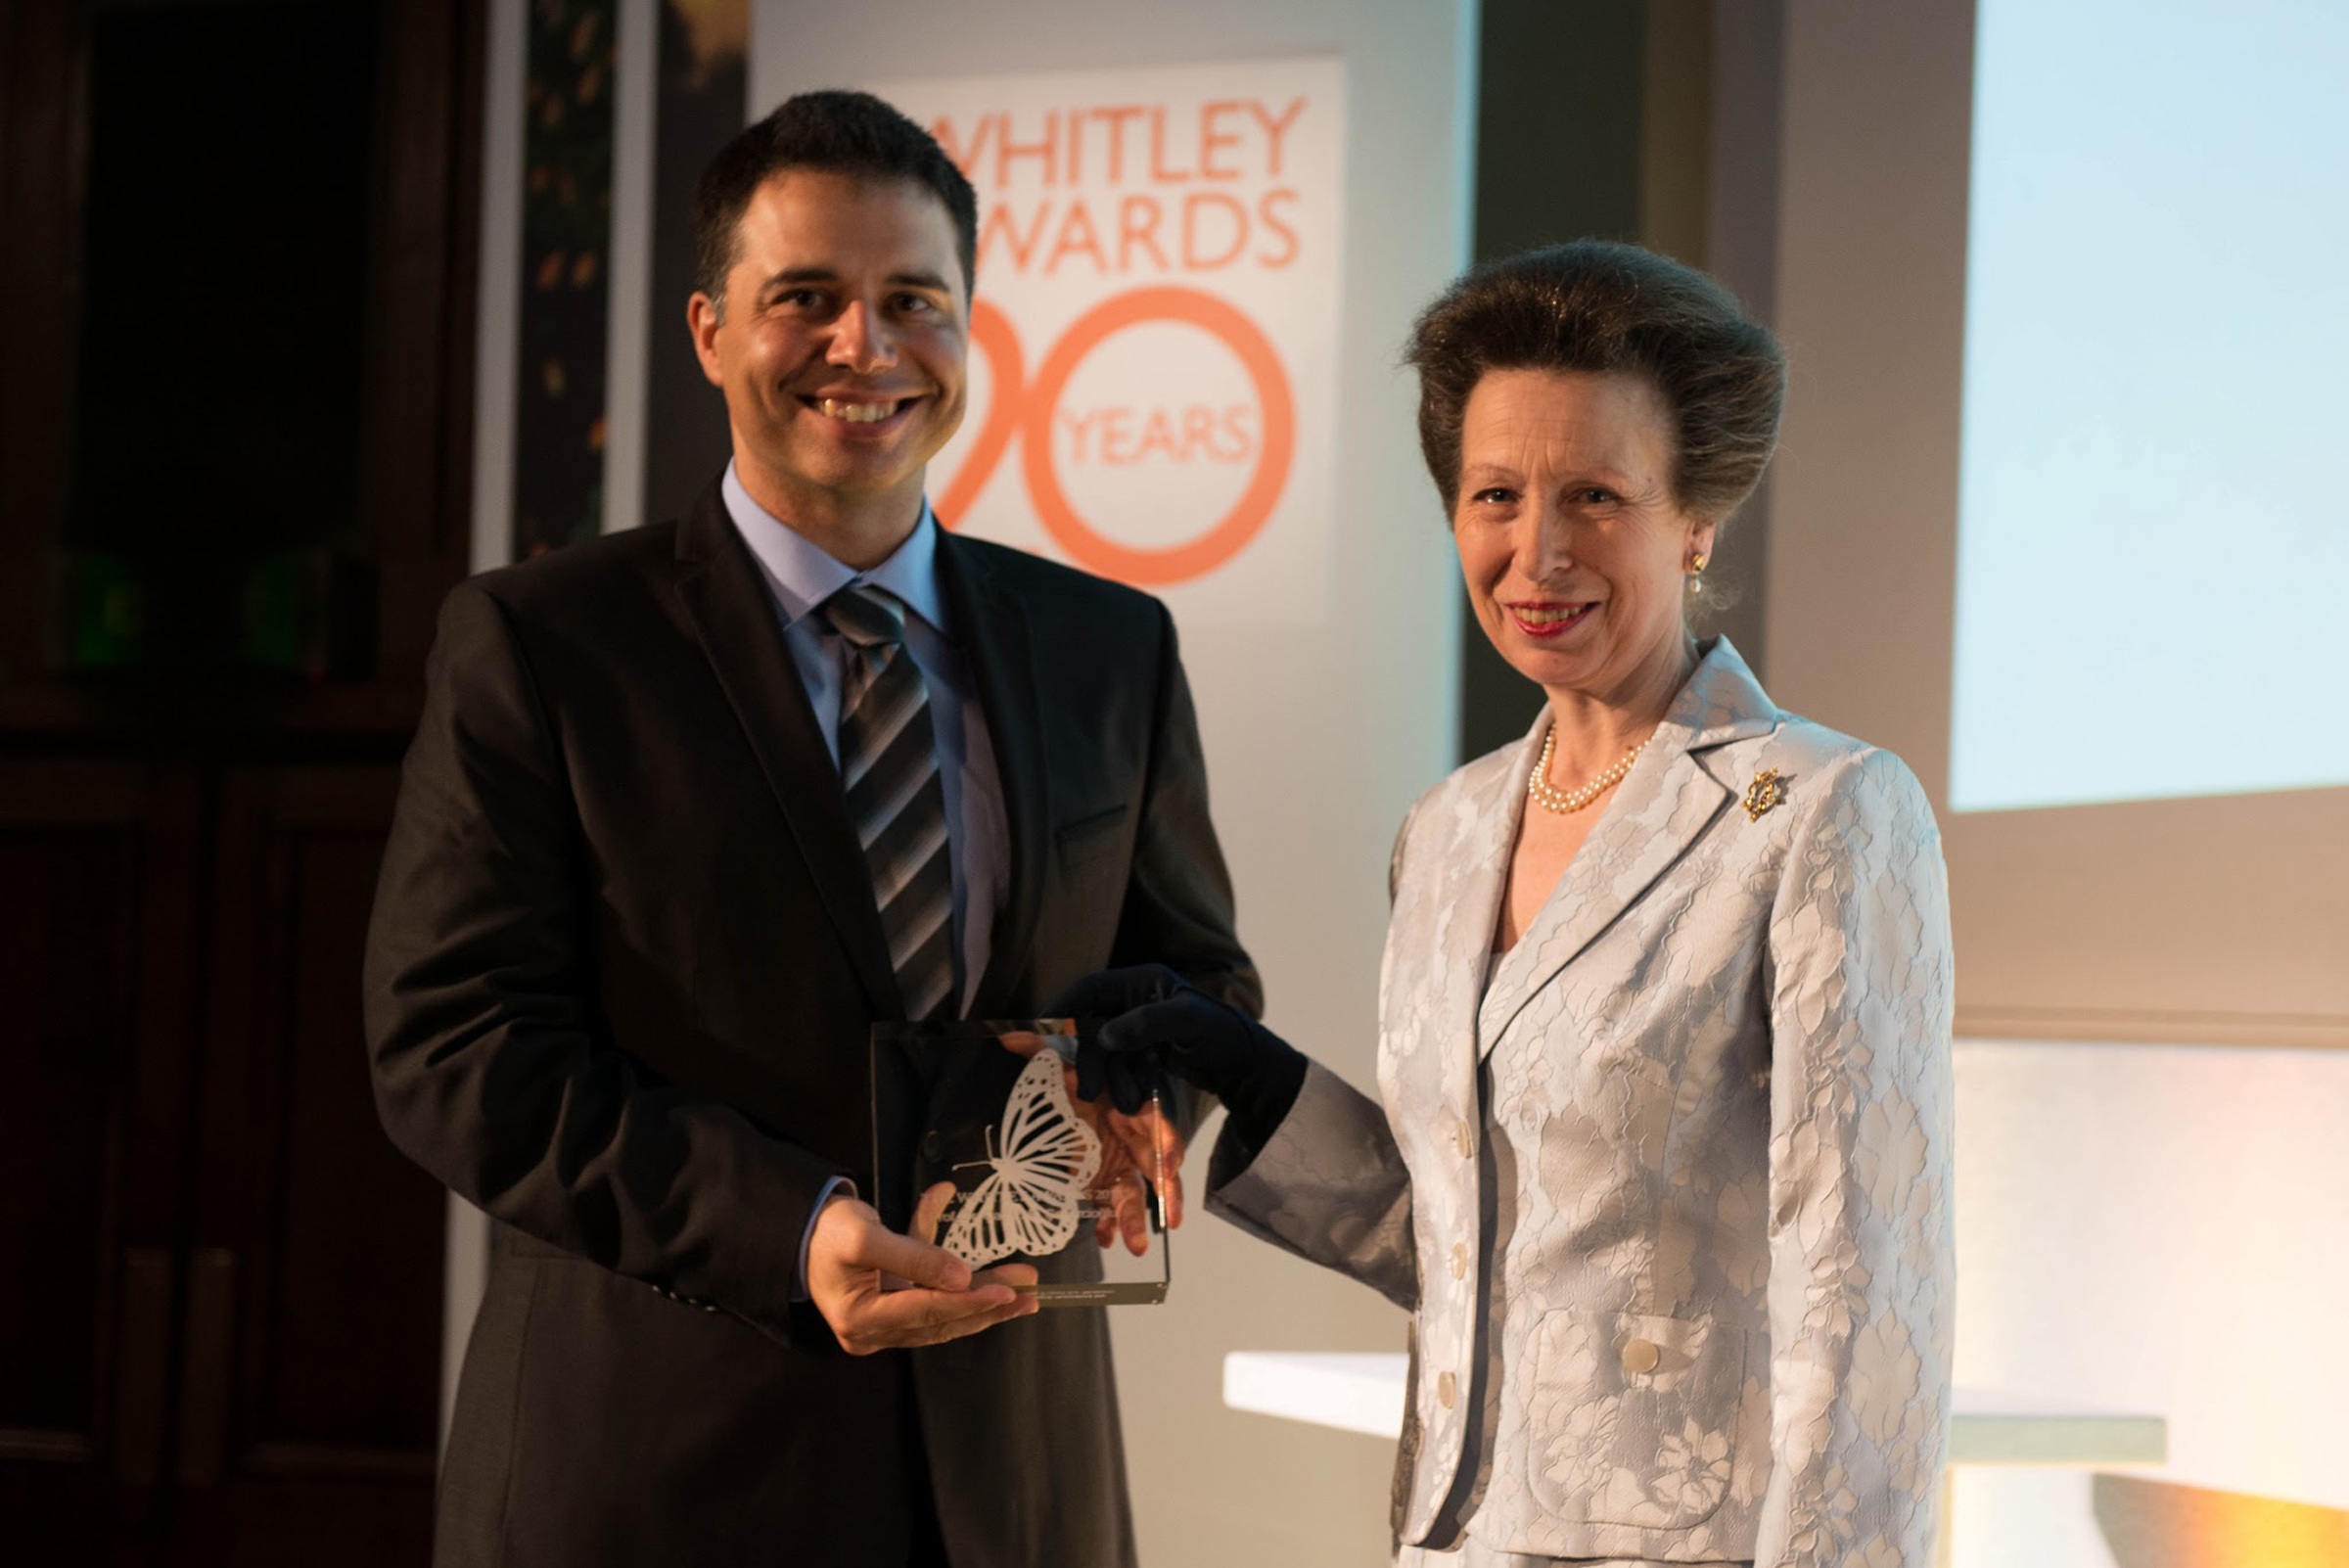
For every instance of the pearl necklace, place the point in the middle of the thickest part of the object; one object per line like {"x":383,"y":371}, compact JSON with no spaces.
{"x":1542,"y":792}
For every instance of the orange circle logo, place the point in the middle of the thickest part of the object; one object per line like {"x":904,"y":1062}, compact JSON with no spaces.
{"x":992,"y":335}
{"x":1031,"y":411}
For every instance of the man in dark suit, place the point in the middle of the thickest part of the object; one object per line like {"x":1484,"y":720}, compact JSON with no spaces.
{"x":690,"y":809}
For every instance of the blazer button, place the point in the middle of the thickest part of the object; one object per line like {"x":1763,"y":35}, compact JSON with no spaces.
{"x":1640,"y":1357}
{"x":933,"y":1145}
{"x":1447,"y":1389}
{"x":1463,"y":1139}
{"x":1459,"y":1260}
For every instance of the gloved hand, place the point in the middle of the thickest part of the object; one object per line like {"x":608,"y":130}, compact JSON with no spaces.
{"x":1159,"y":1022}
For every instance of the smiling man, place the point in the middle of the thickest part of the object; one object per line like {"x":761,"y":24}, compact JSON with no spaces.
{"x":837,"y":323}
{"x":690,"y":809}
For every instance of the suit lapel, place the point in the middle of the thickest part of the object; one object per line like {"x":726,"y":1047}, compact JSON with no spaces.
{"x":1662,"y":806}
{"x":734,"y":617}
{"x":993,"y":633}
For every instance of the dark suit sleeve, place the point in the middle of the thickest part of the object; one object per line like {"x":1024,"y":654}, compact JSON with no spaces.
{"x":493,"y":1065}
{"x":1179,"y":903}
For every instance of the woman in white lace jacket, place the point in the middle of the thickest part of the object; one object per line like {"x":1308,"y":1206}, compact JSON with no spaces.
{"x":1663,"y":1167}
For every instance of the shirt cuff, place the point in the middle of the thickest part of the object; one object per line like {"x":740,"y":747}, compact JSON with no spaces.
{"x":799,"y":1290}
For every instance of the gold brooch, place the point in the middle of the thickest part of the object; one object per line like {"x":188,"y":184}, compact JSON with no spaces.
{"x":1766,"y":790}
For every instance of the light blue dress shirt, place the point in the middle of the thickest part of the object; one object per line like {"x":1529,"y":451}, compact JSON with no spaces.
{"x":800,"y":578}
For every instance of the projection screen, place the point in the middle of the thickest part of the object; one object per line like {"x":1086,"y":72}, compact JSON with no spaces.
{"x":2058,"y":514}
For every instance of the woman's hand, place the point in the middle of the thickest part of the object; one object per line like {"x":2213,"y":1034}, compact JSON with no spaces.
{"x":1158,"y":1022}
{"x":1134,"y":1150}
{"x":1138,"y":1146}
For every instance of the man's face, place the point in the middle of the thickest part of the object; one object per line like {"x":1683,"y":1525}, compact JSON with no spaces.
{"x":841,"y":349}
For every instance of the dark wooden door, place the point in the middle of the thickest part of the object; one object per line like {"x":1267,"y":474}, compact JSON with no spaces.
{"x":235,"y":410}
{"x":306,"y":1422}
{"x":224,"y":1307}
{"x":100,"y":887}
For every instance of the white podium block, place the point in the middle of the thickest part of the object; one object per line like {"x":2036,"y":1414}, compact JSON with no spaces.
{"x":1364,"y":1393}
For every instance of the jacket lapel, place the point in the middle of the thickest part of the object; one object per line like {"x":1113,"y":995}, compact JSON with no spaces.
{"x":993,"y":633}
{"x":1662,"y":806}
{"x":734,"y":617}
{"x":1468,"y":913}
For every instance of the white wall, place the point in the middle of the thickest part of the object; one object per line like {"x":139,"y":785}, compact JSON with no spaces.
{"x":2155,"y":1229}
{"x":1317,"y":736}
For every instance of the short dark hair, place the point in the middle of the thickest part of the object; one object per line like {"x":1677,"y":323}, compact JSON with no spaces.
{"x":842,"y":133}
{"x":1604,"y":307}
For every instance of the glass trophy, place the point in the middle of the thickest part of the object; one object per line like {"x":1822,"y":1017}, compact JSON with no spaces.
{"x":983,"y":1147}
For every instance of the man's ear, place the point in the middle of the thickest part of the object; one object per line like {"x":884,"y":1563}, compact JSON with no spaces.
{"x":702,"y":319}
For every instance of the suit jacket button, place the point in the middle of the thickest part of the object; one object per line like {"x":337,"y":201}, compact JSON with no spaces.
{"x":932,"y":1145}
{"x":1640,"y":1356}
{"x":1447,"y":1389}
{"x":1459,"y":1260}
{"x":1463,"y":1139}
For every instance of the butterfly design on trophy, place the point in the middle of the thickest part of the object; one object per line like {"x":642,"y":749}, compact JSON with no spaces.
{"x":1041,"y":1160}
{"x":980,"y":1146}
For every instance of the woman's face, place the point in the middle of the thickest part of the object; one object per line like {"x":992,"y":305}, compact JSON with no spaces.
{"x":1574,"y":551}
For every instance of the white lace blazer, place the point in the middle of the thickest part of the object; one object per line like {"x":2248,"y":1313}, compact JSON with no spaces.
{"x":1721,"y":1059}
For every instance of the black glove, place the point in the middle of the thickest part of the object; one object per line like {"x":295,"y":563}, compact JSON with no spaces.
{"x":1159,"y":1022}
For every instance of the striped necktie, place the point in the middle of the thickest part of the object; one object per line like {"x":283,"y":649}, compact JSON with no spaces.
{"x":889,"y":768}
